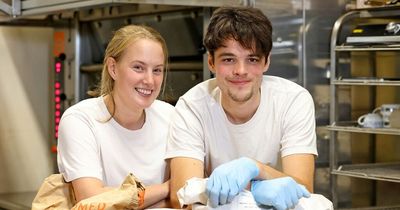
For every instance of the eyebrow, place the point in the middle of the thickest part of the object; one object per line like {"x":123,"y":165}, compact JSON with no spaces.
{"x":138,"y":61}
{"x":143,"y":63}
{"x":160,"y":65}
{"x":231,"y":54}
{"x":226,"y":54}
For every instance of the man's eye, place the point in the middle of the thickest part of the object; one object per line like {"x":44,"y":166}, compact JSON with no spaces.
{"x":254,"y":60}
{"x":227,"y":60}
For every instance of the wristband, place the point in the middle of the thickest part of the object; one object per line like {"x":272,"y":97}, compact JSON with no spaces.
{"x":141,"y":191}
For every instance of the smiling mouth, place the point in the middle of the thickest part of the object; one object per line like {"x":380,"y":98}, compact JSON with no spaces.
{"x":239,"y":82}
{"x":144,"y":91}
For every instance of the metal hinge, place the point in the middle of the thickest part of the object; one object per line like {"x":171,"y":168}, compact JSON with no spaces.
{"x":249,"y":3}
{"x":14,"y":9}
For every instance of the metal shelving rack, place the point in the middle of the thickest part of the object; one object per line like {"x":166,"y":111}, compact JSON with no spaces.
{"x":17,"y":8}
{"x":374,"y":171}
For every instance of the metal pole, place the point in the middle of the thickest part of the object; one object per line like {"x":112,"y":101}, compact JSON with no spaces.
{"x":207,"y":11}
{"x":333,"y":103}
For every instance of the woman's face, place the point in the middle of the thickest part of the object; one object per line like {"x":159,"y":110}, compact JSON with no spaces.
{"x":139,"y":73}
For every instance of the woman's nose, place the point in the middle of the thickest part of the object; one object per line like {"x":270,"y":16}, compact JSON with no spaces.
{"x":149,"y":77}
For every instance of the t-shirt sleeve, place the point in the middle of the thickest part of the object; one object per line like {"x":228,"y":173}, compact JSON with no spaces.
{"x":185,"y":138}
{"x":299,"y":126}
{"x":78,"y":153}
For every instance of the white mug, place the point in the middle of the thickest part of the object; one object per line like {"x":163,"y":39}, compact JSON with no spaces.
{"x":386,"y":110}
{"x":394,"y":119}
{"x":371,"y":120}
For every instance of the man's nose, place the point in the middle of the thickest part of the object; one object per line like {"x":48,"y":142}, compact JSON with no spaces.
{"x":239,"y":69}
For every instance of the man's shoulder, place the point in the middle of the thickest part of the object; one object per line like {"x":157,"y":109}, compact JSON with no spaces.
{"x":279,"y":84}
{"x":284,"y":92}
{"x":204,"y":90}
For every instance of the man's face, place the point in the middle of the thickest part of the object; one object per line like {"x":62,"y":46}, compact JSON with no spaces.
{"x":238,"y":71}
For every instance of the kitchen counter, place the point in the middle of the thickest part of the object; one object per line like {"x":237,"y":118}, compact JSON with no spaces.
{"x":17,"y":201}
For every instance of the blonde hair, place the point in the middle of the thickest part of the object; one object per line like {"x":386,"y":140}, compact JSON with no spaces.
{"x":122,"y":38}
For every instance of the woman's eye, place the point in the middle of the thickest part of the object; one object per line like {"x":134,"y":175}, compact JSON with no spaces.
{"x":137,"y":68}
{"x":158,"y":71}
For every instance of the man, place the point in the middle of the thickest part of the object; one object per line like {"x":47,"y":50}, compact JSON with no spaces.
{"x":244,"y":129}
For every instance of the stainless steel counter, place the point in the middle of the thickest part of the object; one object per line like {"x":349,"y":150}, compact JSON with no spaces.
{"x":17,"y":201}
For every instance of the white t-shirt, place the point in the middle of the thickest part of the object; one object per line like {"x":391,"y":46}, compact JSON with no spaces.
{"x":283,"y":124}
{"x":90,"y":146}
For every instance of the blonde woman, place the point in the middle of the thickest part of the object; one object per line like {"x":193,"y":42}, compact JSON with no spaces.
{"x":124,"y":129}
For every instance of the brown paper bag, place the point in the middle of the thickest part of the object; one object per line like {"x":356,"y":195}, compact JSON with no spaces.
{"x":55,"y":193}
{"x":125,"y":197}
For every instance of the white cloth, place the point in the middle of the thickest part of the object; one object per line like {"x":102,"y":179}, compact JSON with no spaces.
{"x":88,"y":146}
{"x":283,"y":124}
{"x":194,"y":193}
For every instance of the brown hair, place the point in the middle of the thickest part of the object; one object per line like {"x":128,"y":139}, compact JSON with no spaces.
{"x":249,"y":26}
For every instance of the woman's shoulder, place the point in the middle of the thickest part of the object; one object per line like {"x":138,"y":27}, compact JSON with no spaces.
{"x":162,"y":105}
{"x":161,"y":110}
{"x":84,"y":104}
{"x":87,"y":107}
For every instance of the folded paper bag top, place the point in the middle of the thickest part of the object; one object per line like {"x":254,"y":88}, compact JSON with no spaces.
{"x":55,"y":193}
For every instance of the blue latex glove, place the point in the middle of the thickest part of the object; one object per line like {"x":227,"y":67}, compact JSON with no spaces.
{"x":281,"y":193}
{"x":228,"y":179}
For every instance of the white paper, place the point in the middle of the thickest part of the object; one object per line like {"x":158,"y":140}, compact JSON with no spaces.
{"x":193,"y":193}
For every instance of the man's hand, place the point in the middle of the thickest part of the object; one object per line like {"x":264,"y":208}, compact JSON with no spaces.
{"x":228,"y":179}
{"x":281,"y":193}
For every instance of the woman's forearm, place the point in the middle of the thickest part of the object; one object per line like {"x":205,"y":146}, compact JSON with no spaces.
{"x":155,"y":193}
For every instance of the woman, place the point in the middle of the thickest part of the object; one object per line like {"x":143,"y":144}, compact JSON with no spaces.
{"x":123,"y":130}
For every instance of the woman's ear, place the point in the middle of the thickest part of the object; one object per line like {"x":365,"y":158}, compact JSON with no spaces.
{"x":111,"y":67}
{"x":211,"y":63}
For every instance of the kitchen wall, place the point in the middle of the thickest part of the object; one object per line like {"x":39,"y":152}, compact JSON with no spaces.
{"x":25,"y":158}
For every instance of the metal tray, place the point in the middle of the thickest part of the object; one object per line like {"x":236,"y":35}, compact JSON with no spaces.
{"x":377,"y":171}
{"x":352,"y":126}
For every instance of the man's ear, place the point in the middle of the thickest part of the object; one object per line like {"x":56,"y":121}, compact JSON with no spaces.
{"x":111,"y":67}
{"x":211,"y":63}
{"x":268,"y":61}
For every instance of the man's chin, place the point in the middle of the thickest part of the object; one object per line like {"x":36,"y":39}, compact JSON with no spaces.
{"x":240,"y":98}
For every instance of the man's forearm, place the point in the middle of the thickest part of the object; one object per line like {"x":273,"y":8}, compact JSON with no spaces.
{"x":268,"y":172}
{"x":299,"y":167}
{"x":183,"y":169}
{"x":174,"y":186}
